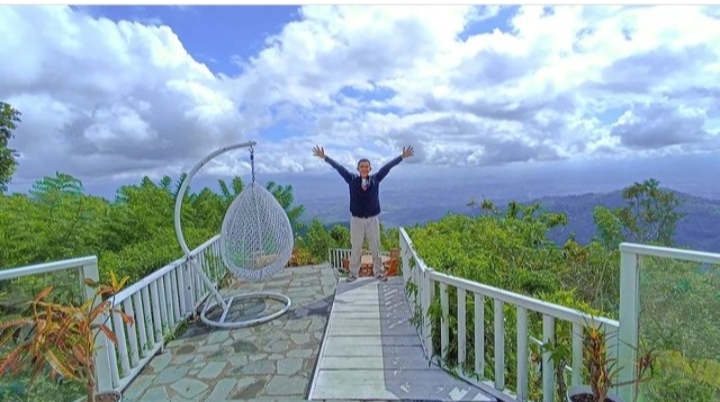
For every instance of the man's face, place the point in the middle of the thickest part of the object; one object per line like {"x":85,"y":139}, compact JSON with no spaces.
{"x":364,"y":168}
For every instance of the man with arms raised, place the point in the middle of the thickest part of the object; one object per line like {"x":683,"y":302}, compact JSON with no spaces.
{"x":364,"y":208}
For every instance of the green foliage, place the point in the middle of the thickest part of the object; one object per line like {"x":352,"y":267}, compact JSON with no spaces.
{"x":651,"y":214}
{"x":284,"y":195}
{"x":678,"y":378}
{"x":56,"y":221}
{"x":679,"y":315}
{"x":9,"y":118}
{"x":650,"y":217}
{"x":609,"y":227}
{"x":341,"y":236}
{"x":492,"y":249}
{"x":134,"y":235}
{"x":593,"y":272}
{"x":45,"y":389}
{"x":318,"y":241}
{"x":511,"y":250}
{"x":389,"y":238}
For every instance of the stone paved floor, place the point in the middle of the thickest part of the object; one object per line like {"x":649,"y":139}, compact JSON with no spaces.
{"x":271,"y":361}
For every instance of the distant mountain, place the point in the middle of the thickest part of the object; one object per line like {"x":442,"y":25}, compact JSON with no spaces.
{"x":699,"y":229}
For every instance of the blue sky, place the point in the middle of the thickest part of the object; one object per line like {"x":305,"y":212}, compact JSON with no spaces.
{"x":214,"y":35}
{"x":218,"y":35}
{"x":527,"y":86}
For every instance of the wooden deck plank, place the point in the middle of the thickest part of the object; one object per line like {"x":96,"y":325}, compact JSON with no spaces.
{"x":371,"y":351}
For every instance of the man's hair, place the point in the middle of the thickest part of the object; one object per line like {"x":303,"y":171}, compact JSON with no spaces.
{"x":363,"y":160}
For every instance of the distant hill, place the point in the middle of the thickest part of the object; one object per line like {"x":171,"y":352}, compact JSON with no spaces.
{"x":699,"y":229}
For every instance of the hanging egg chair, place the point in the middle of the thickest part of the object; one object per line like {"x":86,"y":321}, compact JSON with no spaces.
{"x":256,"y":243}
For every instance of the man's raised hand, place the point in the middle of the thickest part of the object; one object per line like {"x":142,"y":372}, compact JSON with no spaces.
{"x":319,"y":152}
{"x":408,"y":152}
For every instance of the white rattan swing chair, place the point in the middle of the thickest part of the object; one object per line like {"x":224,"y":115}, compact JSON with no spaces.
{"x":256,"y":242}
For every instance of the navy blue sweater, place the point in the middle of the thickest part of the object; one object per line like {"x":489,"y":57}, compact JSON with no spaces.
{"x":364,"y":203}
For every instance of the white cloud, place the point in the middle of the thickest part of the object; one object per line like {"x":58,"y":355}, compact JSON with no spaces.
{"x":103,"y":99}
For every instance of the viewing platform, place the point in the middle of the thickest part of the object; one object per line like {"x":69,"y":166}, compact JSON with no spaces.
{"x":371,"y":351}
{"x":365,"y":340}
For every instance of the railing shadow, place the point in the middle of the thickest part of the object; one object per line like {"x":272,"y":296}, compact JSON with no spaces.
{"x":408,"y":374}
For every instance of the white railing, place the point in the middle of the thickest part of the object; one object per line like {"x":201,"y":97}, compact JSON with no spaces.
{"x":336,"y":255}
{"x":426,"y":282}
{"x":158,"y":303}
{"x":631,"y":256}
{"x":87,"y":268}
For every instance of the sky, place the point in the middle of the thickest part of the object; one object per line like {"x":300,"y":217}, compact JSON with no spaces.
{"x":110,"y":94}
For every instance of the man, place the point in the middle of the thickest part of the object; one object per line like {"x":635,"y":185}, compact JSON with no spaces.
{"x":364,"y":208}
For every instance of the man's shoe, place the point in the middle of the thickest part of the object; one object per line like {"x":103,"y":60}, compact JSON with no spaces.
{"x":381,"y":277}
{"x":350,"y":278}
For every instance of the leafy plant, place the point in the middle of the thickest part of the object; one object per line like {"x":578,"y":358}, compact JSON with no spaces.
{"x":560,"y":356}
{"x":61,"y":337}
{"x":9,"y":117}
{"x":603,"y":369}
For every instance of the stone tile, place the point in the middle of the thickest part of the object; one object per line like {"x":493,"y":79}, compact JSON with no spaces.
{"x":249,"y":389}
{"x":237,"y":361}
{"x":155,"y":394}
{"x":300,"y":339}
{"x":222,"y":389}
{"x":218,"y":337}
{"x":277,"y":347}
{"x":189,"y":387}
{"x":198,"y":397}
{"x":271,"y":361}
{"x":171,"y":375}
{"x":304,"y":353}
{"x":283,"y":385}
{"x":138,"y":387}
{"x":260,"y":367}
{"x":209,"y":348}
{"x":317,"y":324}
{"x":289,"y":366}
{"x":158,"y":363}
{"x":297,"y":325}
{"x":186,"y":349}
{"x":179,"y":360}
{"x":212,"y":370}
{"x":258,"y":356}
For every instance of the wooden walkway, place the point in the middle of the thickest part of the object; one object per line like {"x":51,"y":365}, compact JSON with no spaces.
{"x":370,"y":351}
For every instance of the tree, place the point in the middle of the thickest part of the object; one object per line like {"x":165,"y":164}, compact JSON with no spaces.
{"x":341,"y":235}
{"x":9,"y":118}
{"x":284,"y":195}
{"x":609,"y":227}
{"x":651,"y":214}
{"x":318,"y":240}
{"x":649,"y":217}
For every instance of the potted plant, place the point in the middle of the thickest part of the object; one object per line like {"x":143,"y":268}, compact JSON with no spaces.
{"x":602,"y":370}
{"x":62,"y":338}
